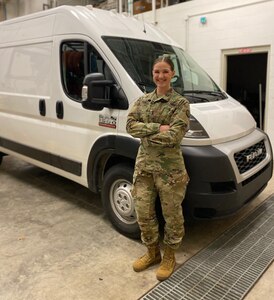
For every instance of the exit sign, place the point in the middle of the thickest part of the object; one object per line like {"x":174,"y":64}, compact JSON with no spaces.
{"x":245,"y":50}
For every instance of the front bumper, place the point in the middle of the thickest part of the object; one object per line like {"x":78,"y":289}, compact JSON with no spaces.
{"x":216,"y":187}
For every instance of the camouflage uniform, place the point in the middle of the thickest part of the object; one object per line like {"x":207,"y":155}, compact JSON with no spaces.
{"x":159,"y":167}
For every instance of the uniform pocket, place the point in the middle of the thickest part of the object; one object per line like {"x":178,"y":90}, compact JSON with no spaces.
{"x":178,"y":177}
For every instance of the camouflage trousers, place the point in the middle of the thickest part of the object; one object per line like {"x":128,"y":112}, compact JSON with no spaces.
{"x":171,"y":189}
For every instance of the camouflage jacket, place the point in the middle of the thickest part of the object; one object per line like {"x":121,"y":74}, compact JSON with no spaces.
{"x":159,"y":151}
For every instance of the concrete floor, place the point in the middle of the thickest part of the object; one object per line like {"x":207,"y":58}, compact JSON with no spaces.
{"x":56,"y":243}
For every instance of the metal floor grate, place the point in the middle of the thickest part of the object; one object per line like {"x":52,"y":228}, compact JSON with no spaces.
{"x":229,"y":266}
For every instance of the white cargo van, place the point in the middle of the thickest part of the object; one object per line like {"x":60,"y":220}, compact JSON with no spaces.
{"x":67,"y":78}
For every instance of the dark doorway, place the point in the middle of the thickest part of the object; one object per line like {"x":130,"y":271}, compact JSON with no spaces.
{"x":246,"y":76}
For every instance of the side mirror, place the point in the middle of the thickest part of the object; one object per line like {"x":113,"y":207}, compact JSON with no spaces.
{"x":95,"y":91}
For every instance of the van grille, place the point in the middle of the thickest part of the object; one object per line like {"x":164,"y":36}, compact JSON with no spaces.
{"x":250,"y":157}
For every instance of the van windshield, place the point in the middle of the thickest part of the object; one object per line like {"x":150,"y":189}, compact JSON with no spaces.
{"x":190,"y":80}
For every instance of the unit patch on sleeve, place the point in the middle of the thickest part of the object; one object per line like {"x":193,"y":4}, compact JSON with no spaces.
{"x":107,"y":121}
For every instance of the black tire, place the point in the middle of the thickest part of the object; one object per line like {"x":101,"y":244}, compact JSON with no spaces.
{"x":118,"y":202}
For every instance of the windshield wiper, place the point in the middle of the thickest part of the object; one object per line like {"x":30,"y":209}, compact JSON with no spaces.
{"x":213,"y":93}
{"x":195,"y":99}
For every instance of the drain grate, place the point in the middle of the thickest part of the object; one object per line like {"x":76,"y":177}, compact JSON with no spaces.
{"x":229,"y":266}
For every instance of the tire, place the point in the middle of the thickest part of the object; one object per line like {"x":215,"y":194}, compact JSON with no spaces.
{"x":118,"y":202}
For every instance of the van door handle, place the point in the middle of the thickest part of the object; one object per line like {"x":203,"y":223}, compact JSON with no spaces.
{"x":42,"y":107}
{"x":59,"y":110}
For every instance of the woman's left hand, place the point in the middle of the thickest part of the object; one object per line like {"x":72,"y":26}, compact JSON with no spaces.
{"x":164,"y":128}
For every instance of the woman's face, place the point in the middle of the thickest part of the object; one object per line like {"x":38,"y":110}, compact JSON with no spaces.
{"x":162,"y":74}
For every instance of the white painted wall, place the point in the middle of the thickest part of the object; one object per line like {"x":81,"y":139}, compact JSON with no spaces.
{"x":230,"y":24}
{"x":27,"y":7}
{"x":16,"y":8}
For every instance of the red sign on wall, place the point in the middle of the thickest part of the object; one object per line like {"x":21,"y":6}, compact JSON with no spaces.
{"x":245,"y":50}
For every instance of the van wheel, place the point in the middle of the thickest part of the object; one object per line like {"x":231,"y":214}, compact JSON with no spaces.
{"x":118,"y":202}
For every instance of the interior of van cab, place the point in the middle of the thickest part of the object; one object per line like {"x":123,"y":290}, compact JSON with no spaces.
{"x":73,"y":64}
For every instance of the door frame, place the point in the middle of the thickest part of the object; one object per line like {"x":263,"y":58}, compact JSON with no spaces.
{"x":245,"y":51}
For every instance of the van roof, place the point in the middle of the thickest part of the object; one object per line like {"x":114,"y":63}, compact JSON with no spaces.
{"x":79,"y":20}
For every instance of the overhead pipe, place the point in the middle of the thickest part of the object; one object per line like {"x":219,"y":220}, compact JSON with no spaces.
{"x":120,"y":6}
{"x":3,"y":5}
{"x":49,"y":5}
{"x":154,"y":12}
{"x":17,"y":8}
{"x":130,"y":7}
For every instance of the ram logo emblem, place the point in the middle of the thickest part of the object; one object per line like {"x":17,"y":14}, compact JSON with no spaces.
{"x":253,"y":154}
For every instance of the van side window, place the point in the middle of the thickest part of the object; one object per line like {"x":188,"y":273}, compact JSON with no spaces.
{"x":78,"y":58}
{"x":72,"y":60}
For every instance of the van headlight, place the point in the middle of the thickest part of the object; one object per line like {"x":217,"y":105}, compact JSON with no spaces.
{"x":196,"y":130}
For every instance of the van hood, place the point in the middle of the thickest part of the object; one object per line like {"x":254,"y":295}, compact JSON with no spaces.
{"x":223,"y":121}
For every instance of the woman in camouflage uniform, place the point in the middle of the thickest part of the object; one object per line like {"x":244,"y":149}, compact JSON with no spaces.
{"x":160,"y":119}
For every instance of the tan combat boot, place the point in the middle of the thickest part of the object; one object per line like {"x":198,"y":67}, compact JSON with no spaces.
{"x":167,"y":265}
{"x":152,"y":257}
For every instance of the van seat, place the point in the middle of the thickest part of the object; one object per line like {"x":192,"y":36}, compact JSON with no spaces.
{"x":74,"y":72}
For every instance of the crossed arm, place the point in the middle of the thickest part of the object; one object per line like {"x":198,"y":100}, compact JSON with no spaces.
{"x":156,"y":134}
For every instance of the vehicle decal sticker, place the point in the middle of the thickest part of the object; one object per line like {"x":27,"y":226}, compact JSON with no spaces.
{"x":107,"y":121}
